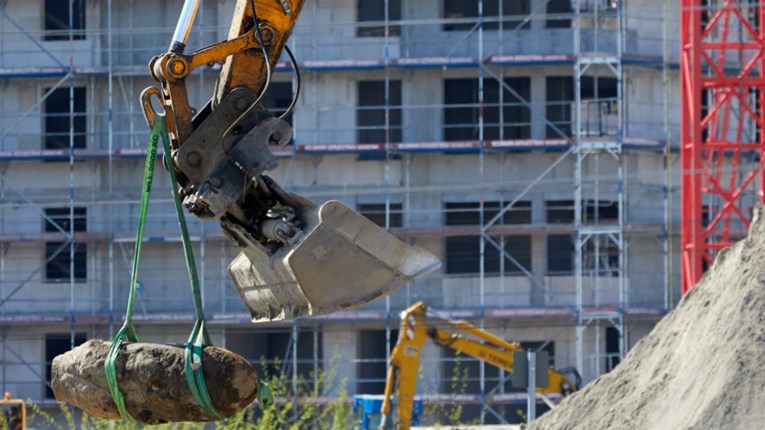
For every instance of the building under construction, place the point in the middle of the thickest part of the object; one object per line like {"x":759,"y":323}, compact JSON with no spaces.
{"x":527,"y":143}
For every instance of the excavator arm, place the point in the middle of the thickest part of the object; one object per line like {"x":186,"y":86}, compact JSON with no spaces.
{"x":404,"y":365}
{"x":259,"y":27}
{"x":416,"y":329}
{"x":296,"y":259}
{"x":495,"y":351}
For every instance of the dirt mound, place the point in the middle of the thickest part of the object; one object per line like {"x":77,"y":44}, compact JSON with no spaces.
{"x":703,"y":365}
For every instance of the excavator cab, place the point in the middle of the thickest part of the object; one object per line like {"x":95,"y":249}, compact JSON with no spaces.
{"x":570,"y":374}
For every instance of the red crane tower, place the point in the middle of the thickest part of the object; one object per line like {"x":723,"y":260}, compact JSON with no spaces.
{"x":722,"y":136}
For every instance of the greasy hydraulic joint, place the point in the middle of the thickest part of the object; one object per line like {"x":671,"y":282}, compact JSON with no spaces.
{"x":222,"y":152}
{"x":295,"y":255}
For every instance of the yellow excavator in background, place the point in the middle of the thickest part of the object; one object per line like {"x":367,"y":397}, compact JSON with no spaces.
{"x":416,"y":329}
{"x":296,"y":259}
{"x":14,"y":411}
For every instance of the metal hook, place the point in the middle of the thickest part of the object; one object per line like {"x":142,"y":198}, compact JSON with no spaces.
{"x":148,"y":109}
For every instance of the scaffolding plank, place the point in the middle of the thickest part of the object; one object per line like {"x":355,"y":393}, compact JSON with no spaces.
{"x":336,"y":148}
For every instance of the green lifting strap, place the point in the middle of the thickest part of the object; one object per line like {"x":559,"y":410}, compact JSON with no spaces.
{"x":265,"y":396}
{"x":199,"y":337}
{"x":128,"y":330}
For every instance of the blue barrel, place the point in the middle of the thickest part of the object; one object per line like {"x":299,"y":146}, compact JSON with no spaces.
{"x":367,"y":407}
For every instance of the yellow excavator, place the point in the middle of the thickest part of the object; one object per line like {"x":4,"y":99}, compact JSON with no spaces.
{"x":297,"y":258}
{"x":418,"y":324}
{"x":14,"y":411}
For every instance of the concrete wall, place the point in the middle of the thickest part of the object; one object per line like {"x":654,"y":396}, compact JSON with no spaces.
{"x":424,"y":34}
{"x":323,"y":32}
{"x":29,"y":49}
{"x":422,"y":186}
{"x":326,"y":113}
{"x":24,"y":350}
{"x":327,"y":106}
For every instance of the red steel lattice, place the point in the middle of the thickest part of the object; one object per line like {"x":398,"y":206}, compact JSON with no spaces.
{"x":722,"y":134}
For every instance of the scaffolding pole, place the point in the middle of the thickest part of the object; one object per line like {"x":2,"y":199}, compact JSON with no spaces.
{"x":110,"y":179}
{"x":481,"y":206}
{"x":72,"y":244}
{"x":587,"y":264}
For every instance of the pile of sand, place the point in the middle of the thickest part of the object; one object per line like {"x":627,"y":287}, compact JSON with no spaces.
{"x":703,"y":365}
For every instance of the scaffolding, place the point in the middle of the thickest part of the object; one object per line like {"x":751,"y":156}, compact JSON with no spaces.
{"x":573,"y":150}
{"x":592,"y":236}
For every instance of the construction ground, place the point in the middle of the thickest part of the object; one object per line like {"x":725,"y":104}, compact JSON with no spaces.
{"x":532,"y":145}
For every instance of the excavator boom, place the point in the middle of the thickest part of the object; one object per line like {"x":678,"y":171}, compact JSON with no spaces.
{"x":297,"y":258}
{"x":405,"y":357}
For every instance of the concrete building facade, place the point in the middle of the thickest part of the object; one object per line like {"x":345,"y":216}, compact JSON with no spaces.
{"x":554,"y":114}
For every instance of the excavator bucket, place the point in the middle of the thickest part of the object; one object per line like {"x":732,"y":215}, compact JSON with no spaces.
{"x":340,"y":261}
